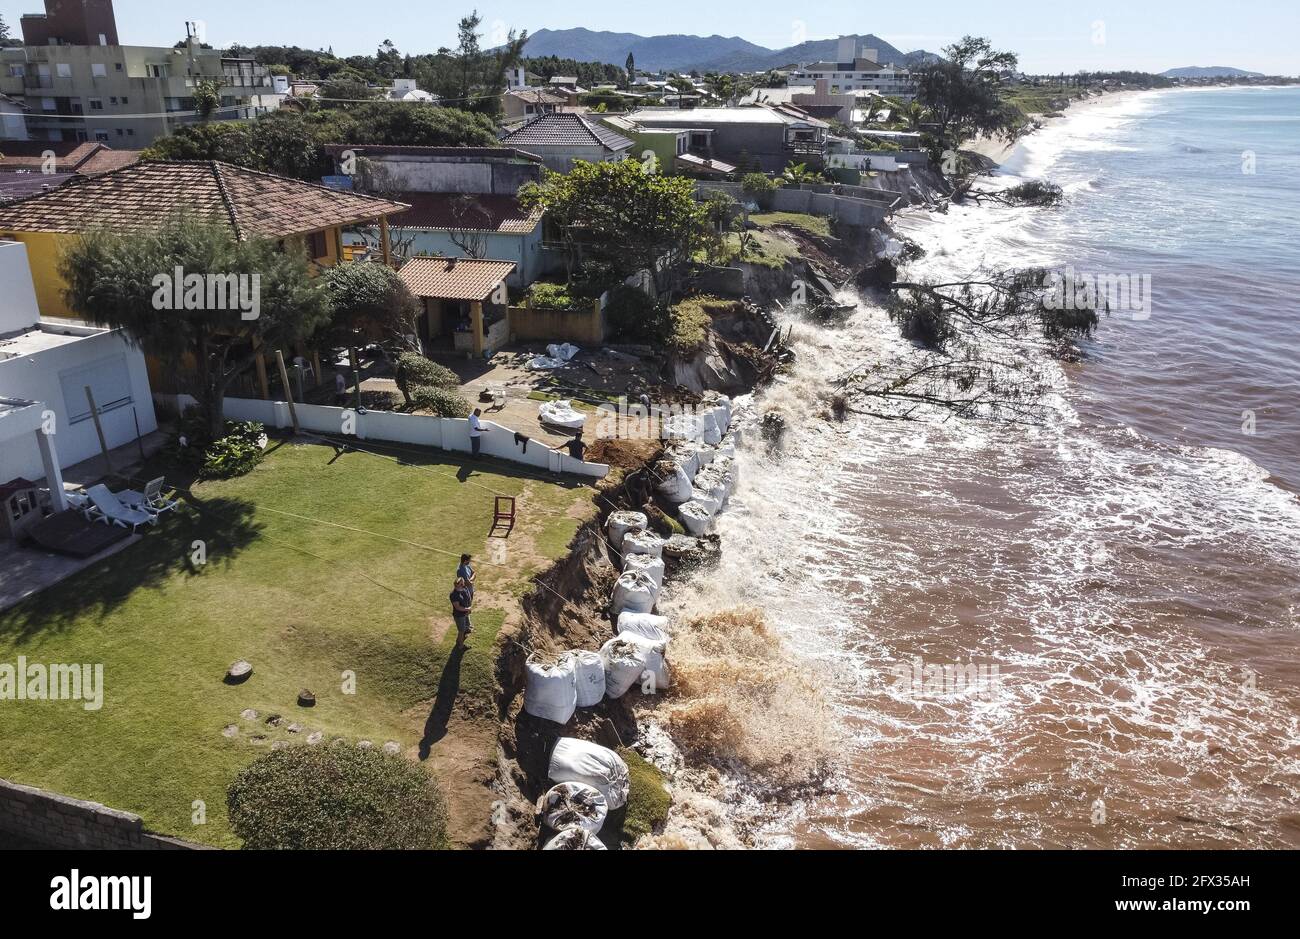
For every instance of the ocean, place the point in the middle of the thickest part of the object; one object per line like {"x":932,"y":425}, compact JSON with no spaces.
{"x":1080,"y":634}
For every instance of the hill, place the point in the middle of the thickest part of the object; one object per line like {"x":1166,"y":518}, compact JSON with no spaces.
{"x":1216,"y":71}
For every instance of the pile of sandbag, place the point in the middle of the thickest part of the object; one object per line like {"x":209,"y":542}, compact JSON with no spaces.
{"x":643,"y":542}
{"x":648,"y":564}
{"x":634,"y":592}
{"x":621,"y":523}
{"x":674,"y":481}
{"x":551,"y":688}
{"x":588,"y":763}
{"x":630,"y":659}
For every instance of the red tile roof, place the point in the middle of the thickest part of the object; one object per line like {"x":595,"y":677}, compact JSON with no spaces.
{"x":69,"y":156}
{"x":146,"y":195}
{"x":449,"y":211}
{"x":455,"y":278}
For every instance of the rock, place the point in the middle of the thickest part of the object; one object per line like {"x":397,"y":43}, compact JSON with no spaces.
{"x":338,"y":742}
{"x":231,"y":731}
{"x":279,"y":745}
{"x":239,"y":673}
{"x":773,"y":429}
{"x":306,"y":699}
{"x":248,"y":715}
{"x":393,"y":748}
{"x":316,"y":739}
{"x":257,"y":740}
{"x":294,"y":728}
{"x":365,"y":745}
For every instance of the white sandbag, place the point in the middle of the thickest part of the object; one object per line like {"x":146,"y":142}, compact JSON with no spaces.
{"x":589,"y":672}
{"x":725,"y":450}
{"x":674,"y":483}
{"x":643,"y":542}
{"x":656,"y":658}
{"x":635,"y":592}
{"x":573,"y":805}
{"x":683,"y":427}
{"x":715,"y":483}
{"x":706,"y":500}
{"x":551,"y":690}
{"x":575,"y":839}
{"x":599,"y":767}
{"x":647,"y":564}
{"x":728,"y":410}
{"x":712,"y":433}
{"x":561,"y":414}
{"x":654,"y":628}
{"x":695,"y":517}
{"x":620,"y":523}
{"x":687,"y":456}
{"x":626,"y":659}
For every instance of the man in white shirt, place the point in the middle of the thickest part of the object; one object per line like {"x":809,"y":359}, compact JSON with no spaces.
{"x":476,"y":431}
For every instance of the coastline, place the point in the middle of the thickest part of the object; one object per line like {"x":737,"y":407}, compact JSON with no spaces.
{"x":998,"y":151}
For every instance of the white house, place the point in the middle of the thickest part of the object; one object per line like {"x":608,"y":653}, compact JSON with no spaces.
{"x":45,"y":367}
{"x":856,"y":69}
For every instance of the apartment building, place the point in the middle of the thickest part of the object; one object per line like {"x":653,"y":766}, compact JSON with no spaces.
{"x":857,"y":69}
{"x":76,"y":82}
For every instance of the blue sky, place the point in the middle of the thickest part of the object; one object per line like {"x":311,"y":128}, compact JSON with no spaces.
{"x":1152,"y":35}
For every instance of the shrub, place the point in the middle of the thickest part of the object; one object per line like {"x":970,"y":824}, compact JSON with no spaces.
{"x":647,"y":800}
{"x":756,"y":184}
{"x":691,"y":319}
{"x":336,"y":798}
{"x":414,"y":371}
{"x":546,"y":296}
{"x":635,"y":317}
{"x":440,"y":401}
{"x":236,"y":453}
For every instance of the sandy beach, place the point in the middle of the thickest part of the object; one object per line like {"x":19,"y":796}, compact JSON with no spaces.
{"x":999,"y":150}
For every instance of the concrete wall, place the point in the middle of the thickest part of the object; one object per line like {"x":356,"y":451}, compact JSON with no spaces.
{"x":37,"y":378}
{"x":854,"y":212}
{"x":437,"y":432}
{"x":58,"y":822}
{"x":429,"y":174}
{"x":560,"y":159}
{"x":581,"y":327}
{"x":19,"y":309}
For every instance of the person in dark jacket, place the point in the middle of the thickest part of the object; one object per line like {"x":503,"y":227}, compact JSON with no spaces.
{"x":462,"y":604}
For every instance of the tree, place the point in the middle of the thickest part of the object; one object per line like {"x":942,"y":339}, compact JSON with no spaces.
{"x":126,"y":282}
{"x":207,"y":98}
{"x":631,"y":71}
{"x":370,"y":303}
{"x":963,"y":92}
{"x":622,"y":215}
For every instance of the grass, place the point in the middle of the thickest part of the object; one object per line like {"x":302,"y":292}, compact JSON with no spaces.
{"x":813,"y":224}
{"x":647,"y":802}
{"x":691,"y":318}
{"x":307,"y":603}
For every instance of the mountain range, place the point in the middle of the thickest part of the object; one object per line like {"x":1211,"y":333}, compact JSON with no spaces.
{"x":702,"y":53}
{"x":1215,"y":71}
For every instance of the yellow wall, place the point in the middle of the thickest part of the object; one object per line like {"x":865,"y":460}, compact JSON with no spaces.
{"x":44,"y":249}
{"x":585,"y":326}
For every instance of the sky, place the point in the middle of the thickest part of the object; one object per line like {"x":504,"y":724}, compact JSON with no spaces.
{"x":1145,"y":35}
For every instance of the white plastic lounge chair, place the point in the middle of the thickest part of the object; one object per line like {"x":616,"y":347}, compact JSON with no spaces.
{"x":151,"y":500}
{"x":111,"y":511}
{"x":80,"y":502}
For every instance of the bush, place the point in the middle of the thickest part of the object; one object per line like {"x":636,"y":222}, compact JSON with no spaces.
{"x":546,"y":296}
{"x":236,"y":453}
{"x":635,"y":317}
{"x":647,"y":800}
{"x":757,"y":184}
{"x":415,"y":371}
{"x":440,"y":401}
{"x":336,"y":798}
{"x":691,"y":320}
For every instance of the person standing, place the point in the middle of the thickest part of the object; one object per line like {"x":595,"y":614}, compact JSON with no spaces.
{"x":466,"y":572}
{"x":340,"y":390}
{"x":476,"y":432}
{"x":462,"y":604}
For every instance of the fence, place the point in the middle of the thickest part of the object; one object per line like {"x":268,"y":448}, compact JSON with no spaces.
{"x":584,"y":326}
{"x":438,"y":432}
{"x":49,"y":820}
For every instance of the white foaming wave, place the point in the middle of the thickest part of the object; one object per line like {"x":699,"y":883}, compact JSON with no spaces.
{"x":1091,"y":127}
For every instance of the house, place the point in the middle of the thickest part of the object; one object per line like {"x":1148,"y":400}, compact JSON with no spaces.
{"x":13,"y":118}
{"x":523,"y":103}
{"x":79,"y":83}
{"x":148,"y":194}
{"x":560,"y":139}
{"x":858,"y":69}
{"x":463,"y":202}
{"x":406,"y":89}
{"x":46,"y":365}
{"x":30,"y":167}
{"x":465,"y":303}
{"x":669,"y":147}
{"x":766,"y":137}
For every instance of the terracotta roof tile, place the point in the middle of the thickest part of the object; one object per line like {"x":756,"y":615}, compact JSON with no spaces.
{"x":455,"y":278}
{"x":145,"y":195}
{"x":565,"y":130}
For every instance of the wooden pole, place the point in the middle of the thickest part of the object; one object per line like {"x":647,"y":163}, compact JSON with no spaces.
{"x":99,"y":429}
{"x":386,"y":240}
{"x":288,"y":391}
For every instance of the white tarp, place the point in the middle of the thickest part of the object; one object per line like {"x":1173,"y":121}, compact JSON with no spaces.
{"x":589,"y":670}
{"x":599,"y":767}
{"x":551,"y":690}
{"x":561,"y":414}
{"x":556,"y":357}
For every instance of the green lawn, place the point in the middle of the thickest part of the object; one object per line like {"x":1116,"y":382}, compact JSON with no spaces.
{"x":813,"y":224}
{"x":302,"y":600}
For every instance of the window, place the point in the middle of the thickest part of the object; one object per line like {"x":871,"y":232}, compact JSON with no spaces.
{"x":103,"y":40}
{"x":96,"y":104}
{"x":118,"y":66}
{"x":119,"y":132}
{"x":101,"y":136}
{"x":65,"y":70}
{"x":113,"y":100}
{"x":316,"y":244}
{"x":109,"y":381}
{"x":130,"y":131}
{"x":125,"y":99}
{"x":98,"y":70}
{"x":17,"y":71}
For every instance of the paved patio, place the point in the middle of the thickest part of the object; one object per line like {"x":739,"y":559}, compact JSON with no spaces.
{"x":25,"y":572}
